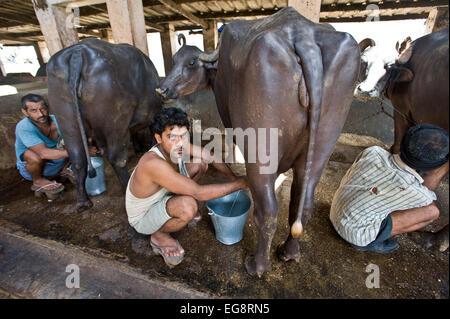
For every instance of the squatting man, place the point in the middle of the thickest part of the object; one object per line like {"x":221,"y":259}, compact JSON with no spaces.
{"x":384,"y":194}
{"x":162,"y":193}
{"x":40,"y":156}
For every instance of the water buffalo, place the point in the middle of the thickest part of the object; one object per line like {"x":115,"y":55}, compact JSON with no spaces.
{"x":104,"y":92}
{"x":417,"y":84}
{"x":284,"y":72}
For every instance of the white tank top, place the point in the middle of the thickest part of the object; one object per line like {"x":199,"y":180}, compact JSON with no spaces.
{"x":137,"y":207}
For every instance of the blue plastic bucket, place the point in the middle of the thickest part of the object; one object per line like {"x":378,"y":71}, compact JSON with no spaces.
{"x":96,"y":185}
{"x":228,"y":215}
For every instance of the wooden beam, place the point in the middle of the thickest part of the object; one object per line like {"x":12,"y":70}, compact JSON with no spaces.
{"x":78,"y":3}
{"x":210,"y":36}
{"x":437,"y":19}
{"x":37,"y":50}
{"x":127,"y":22}
{"x":2,"y":68}
{"x":138,"y":25}
{"x":56,"y":26}
{"x":179,"y":9}
{"x":44,"y":51}
{"x":168,"y":45}
{"x":310,"y":9}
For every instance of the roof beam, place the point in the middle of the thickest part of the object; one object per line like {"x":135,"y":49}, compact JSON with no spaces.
{"x":179,"y":9}
{"x":337,"y":7}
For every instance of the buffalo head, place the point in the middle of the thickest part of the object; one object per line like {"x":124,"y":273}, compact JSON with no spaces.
{"x":192,"y":70}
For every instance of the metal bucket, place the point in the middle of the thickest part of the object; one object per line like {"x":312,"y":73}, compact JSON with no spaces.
{"x":96,"y":185}
{"x":228,"y":215}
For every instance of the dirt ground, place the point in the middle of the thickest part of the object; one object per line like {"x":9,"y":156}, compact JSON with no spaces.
{"x":328,"y":267}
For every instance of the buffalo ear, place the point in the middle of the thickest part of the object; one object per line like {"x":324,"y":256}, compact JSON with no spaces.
{"x":404,"y":75}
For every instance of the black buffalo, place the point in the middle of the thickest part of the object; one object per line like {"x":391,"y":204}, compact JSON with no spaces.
{"x":283,"y":72}
{"x":104,"y":92}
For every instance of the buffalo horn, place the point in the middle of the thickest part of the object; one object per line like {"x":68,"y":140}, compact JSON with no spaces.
{"x":364,"y":44}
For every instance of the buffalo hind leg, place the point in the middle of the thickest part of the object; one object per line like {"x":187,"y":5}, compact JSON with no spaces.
{"x":79,"y":167}
{"x":118,"y":158}
{"x":289,"y":250}
{"x":265,"y":217}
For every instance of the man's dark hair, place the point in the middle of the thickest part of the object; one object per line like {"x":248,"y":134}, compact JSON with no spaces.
{"x":168,"y":117}
{"x":30,"y":97}
{"x":425,"y":147}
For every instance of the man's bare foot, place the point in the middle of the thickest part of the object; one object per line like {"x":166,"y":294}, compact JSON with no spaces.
{"x":167,"y":243}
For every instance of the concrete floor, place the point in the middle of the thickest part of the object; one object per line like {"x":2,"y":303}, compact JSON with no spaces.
{"x":328,"y":267}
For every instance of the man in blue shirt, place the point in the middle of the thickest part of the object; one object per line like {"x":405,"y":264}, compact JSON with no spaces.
{"x":38,"y":157}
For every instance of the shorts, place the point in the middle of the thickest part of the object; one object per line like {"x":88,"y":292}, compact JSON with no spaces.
{"x":155,"y":218}
{"x":384,"y":232}
{"x":51,"y":168}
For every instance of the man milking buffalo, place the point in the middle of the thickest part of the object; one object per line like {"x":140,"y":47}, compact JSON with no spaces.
{"x":162,"y":193}
{"x":384,"y":194}
{"x":39,"y":157}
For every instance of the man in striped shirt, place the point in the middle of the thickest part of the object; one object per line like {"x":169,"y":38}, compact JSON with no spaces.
{"x":384,"y":194}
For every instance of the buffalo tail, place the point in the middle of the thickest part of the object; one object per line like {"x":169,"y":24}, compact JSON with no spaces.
{"x":75,"y":67}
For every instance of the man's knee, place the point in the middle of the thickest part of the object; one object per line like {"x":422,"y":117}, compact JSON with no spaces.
{"x":189,"y":208}
{"x":32,"y":157}
{"x":433,"y":212}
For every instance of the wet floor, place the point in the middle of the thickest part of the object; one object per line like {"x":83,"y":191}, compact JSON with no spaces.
{"x":328,"y":267}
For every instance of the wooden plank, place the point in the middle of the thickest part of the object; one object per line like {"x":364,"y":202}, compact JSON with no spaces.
{"x":78,"y":3}
{"x":55,"y":26}
{"x":179,"y":9}
{"x":37,"y":50}
{"x":310,"y":9}
{"x":119,"y":18}
{"x":128,"y":23}
{"x":437,"y":19}
{"x":168,"y":45}
{"x":210,"y":36}
{"x":137,"y":20}
{"x":43,"y":51}
{"x":2,"y":69}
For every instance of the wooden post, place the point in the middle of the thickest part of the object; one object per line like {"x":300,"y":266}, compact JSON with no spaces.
{"x":106,"y":35}
{"x":2,"y":68}
{"x":128,"y":23}
{"x":44,"y":51}
{"x":168,"y":45}
{"x":37,"y":50}
{"x":56,"y":25}
{"x":310,"y":9}
{"x":210,"y":36}
{"x":437,"y":19}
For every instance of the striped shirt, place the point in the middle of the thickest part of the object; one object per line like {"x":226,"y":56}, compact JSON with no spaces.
{"x":377,"y":184}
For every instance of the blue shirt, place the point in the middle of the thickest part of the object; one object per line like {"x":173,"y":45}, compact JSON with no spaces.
{"x":27,"y":135}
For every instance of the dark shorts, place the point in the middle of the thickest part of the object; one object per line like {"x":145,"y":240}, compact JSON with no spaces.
{"x":384,"y":232}
{"x":51,"y":168}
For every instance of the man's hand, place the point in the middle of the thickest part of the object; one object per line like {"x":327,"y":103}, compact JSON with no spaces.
{"x":93,"y":151}
{"x":242,"y":181}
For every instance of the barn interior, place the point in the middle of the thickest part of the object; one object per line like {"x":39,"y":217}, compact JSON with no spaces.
{"x":39,"y":238}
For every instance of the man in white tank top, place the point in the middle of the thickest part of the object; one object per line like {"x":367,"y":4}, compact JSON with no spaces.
{"x":162,"y":192}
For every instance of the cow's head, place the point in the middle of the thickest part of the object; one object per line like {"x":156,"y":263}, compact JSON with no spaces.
{"x":192,"y":70}
{"x":375,"y":62}
{"x":371,"y":70}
